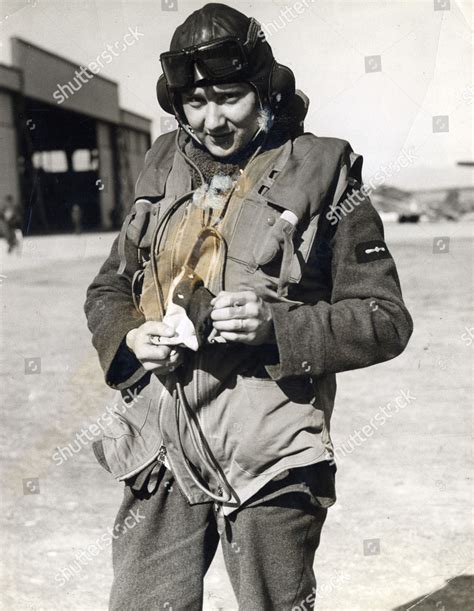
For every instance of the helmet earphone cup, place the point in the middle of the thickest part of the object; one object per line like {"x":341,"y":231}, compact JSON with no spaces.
{"x":281,"y":87}
{"x":163,"y":95}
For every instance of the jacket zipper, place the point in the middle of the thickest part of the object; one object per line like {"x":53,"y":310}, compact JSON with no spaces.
{"x":164,"y":453}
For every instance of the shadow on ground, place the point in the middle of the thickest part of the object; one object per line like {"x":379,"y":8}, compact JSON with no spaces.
{"x":457,"y":594}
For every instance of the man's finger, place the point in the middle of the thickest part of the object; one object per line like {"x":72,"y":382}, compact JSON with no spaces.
{"x":227,"y":299}
{"x":151,"y":365}
{"x":161,"y":340}
{"x":224,"y":300}
{"x":229,"y":313}
{"x":175,"y":357}
{"x":235,"y":324}
{"x":148,"y":352}
{"x":234,"y":337}
{"x":154,"y":327}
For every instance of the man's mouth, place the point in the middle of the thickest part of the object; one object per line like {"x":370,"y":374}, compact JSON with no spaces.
{"x":217,"y":138}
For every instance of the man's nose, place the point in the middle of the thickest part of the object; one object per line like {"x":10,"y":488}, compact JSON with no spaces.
{"x":215,"y":118}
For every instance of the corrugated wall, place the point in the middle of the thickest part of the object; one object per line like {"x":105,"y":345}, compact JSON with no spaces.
{"x":9,"y":184}
{"x":132,"y":146}
{"x":107,"y":173}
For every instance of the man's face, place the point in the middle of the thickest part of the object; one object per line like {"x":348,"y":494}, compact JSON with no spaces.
{"x":224,"y":117}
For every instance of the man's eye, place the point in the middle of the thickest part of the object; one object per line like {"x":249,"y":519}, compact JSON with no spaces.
{"x":230,"y":98}
{"x":194,"y":102}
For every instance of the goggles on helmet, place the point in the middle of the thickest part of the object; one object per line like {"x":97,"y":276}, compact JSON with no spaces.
{"x":217,"y":60}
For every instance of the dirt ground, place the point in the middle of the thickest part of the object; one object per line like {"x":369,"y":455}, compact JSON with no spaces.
{"x":400,"y":535}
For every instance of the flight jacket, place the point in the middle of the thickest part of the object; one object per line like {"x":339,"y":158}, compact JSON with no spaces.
{"x":343,"y":310}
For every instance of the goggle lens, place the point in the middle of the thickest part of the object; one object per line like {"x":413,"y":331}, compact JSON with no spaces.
{"x":218,"y":60}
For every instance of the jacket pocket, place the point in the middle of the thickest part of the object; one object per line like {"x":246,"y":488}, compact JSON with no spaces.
{"x":98,"y":449}
{"x":277,"y":420}
{"x":132,"y":438}
{"x":254,"y":226}
{"x":129,"y":422}
{"x":133,"y":411}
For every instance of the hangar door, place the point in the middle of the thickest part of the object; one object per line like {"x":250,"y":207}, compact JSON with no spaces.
{"x":61,"y":174}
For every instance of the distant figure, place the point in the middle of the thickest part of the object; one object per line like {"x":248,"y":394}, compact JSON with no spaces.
{"x":76,"y":218}
{"x":451,"y":206}
{"x":9,"y":224}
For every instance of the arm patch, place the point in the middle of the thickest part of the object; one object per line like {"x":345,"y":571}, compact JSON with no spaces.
{"x":371,"y":251}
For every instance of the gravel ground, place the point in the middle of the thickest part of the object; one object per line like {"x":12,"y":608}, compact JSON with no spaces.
{"x":399,"y":536}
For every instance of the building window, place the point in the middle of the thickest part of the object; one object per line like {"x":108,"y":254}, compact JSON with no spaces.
{"x":85,"y":160}
{"x":50,"y":161}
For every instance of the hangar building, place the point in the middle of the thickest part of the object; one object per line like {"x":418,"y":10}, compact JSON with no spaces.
{"x":83,"y":154}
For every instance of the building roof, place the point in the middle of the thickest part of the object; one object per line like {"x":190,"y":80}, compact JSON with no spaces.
{"x":42,"y":75}
{"x":10,"y":78}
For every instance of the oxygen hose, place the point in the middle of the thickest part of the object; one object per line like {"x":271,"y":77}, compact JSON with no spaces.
{"x":186,"y":158}
{"x":198,"y":439}
{"x":202,"y":449}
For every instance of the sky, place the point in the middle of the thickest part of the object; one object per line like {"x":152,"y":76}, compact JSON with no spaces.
{"x":393,"y":78}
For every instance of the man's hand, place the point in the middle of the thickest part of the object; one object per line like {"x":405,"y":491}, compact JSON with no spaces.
{"x":242,"y":317}
{"x":160,"y":359}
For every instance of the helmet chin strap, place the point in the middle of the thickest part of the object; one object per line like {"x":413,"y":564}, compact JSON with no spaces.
{"x":189,"y":130}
